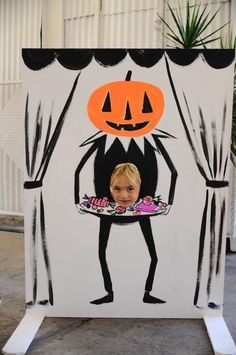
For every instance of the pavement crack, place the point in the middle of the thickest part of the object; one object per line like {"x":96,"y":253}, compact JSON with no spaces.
{"x":60,"y":332}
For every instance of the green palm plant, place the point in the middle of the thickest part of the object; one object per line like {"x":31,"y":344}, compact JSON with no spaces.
{"x":191,"y":28}
{"x":228,"y":41}
{"x":189,"y":33}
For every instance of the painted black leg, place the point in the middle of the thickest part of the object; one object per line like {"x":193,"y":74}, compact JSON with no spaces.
{"x":106,"y":299}
{"x":147,"y":298}
{"x":104,"y":231}
{"x":146,"y":228}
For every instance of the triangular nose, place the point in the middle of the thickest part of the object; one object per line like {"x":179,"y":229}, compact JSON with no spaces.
{"x":127,"y":112}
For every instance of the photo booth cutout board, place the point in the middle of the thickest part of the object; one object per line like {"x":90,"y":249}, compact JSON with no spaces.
{"x":170,"y":113}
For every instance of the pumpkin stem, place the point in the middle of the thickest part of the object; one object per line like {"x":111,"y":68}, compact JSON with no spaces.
{"x":128,"y":76}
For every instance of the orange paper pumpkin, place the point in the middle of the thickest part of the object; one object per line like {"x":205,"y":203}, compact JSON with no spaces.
{"x":126,"y":108}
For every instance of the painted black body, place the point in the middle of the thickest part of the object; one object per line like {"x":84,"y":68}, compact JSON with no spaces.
{"x":104,"y":164}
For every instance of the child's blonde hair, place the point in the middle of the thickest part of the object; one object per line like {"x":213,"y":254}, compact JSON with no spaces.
{"x":129,"y":170}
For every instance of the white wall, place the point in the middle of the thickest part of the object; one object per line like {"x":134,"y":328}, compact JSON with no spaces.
{"x":127,"y":23}
{"x":52,"y":24}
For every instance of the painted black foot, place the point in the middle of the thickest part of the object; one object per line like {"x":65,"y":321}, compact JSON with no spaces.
{"x":30,"y":304}
{"x":147,"y":298}
{"x":212,"y":305}
{"x":106,"y":299}
{"x":43,"y":302}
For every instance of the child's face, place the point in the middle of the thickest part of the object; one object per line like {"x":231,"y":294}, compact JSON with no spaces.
{"x":124,"y":192}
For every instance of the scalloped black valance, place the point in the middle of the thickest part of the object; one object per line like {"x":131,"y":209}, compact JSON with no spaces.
{"x":77,"y":59}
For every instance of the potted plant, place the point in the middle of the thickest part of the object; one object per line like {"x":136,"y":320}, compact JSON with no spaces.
{"x":189,"y":32}
{"x":190,"y":29}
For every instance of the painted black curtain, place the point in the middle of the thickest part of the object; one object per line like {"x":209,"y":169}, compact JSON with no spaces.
{"x":207,"y":132}
{"x":38,"y":152}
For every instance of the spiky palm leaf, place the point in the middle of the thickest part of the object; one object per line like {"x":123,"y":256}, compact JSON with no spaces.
{"x":228,"y":41}
{"x":190,"y":32}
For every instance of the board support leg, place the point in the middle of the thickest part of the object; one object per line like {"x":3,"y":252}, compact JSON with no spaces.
{"x":24,"y":334}
{"x":220,"y":337}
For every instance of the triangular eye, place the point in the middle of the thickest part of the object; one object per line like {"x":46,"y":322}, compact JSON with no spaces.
{"x":147,"y":108}
{"x":107,"y":104}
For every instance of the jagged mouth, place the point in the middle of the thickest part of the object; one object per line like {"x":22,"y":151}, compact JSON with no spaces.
{"x":127,"y":127}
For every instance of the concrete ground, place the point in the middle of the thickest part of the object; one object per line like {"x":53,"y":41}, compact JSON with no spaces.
{"x":103,"y":336}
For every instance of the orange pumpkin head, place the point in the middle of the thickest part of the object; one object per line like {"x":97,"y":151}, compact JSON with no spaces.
{"x":126,"y":108}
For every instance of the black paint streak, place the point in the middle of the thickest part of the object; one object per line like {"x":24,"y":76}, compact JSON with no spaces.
{"x":219,"y":251}
{"x":200,"y":168}
{"x":201,"y":249}
{"x":37,"y":138}
{"x":214,"y":139}
{"x":212,"y":242}
{"x":41,"y":34}
{"x":34,"y":231}
{"x":91,"y":140}
{"x":56,"y":134}
{"x":48,"y":134}
{"x":45,"y":249}
{"x":204,"y":140}
{"x":165,"y":134}
{"x":222,"y":137}
{"x":183,"y":121}
{"x":27,"y":158}
{"x":225,"y":167}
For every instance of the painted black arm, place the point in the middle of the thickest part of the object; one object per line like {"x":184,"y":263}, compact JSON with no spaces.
{"x":87,"y":155}
{"x":171,"y":166}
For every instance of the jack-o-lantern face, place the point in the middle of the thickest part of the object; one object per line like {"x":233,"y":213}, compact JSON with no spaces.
{"x":126,"y":108}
